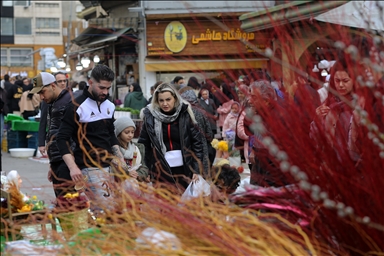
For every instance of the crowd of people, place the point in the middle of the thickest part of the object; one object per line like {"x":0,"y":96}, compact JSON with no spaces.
{"x":85,"y":143}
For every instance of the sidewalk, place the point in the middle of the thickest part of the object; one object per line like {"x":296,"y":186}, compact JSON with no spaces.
{"x":33,"y":173}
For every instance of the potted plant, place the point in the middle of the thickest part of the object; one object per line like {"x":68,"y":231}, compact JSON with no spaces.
{"x":120,"y":112}
{"x":135,"y":114}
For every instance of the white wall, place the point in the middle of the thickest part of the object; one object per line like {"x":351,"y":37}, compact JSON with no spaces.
{"x":167,"y":7}
{"x":43,"y":12}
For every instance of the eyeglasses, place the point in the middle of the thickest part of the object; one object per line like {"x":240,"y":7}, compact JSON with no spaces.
{"x":61,"y":81}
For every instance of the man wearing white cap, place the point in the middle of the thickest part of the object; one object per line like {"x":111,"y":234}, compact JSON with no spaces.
{"x":51,"y":93}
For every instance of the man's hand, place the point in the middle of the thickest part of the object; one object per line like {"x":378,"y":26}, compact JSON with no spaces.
{"x":76,"y":175}
{"x":42,"y":150}
{"x":49,"y":176}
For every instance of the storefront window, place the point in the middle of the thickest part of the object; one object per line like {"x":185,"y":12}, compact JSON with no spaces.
{"x":23,"y":26}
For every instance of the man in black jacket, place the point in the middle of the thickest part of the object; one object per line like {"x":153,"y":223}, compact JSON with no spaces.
{"x":46,"y":86}
{"x":89,"y":122}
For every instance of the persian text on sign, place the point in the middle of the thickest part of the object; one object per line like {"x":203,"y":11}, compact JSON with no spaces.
{"x":230,"y":35}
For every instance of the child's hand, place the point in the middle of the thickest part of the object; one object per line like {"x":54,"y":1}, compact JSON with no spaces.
{"x":133,"y":174}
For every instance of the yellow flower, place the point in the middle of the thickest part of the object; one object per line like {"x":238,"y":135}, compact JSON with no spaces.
{"x":25,"y":208}
{"x":223,"y":146}
{"x":71,"y":196}
{"x":100,"y":221}
{"x":34,"y":197}
{"x":50,"y":216}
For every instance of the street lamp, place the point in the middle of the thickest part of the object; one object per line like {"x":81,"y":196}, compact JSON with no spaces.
{"x":96,"y":59}
{"x":61,"y":63}
{"x":79,"y":66}
{"x":85,"y":61}
{"x":324,"y":72}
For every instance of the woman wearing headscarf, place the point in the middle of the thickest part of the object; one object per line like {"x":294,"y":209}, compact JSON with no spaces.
{"x":173,"y":144}
{"x":135,"y":98}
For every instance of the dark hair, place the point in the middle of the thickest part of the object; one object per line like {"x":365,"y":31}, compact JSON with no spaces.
{"x":343,"y":64}
{"x":136,"y":87}
{"x":59,"y":73}
{"x":157,"y":85}
{"x":228,"y":178}
{"x":192,"y":82}
{"x":6,"y":77}
{"x":102,"y":72}
{"x":74,"y":84}
{"x":177,"y":79}
{"x":82,"y":85}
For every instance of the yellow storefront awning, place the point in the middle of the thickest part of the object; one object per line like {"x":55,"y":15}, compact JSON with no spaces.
{"x":182,"y":65}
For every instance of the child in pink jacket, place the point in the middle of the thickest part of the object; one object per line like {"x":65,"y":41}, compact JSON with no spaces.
{"x":230,"y":121}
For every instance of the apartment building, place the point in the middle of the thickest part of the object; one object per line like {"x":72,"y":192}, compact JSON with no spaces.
{"x":31,"y":36}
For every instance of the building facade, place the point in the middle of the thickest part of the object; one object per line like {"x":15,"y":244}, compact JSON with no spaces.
{"x":201,"y":39}
{"x":31,"y":35}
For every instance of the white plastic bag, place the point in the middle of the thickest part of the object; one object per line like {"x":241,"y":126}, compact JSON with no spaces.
{"x":158,"y":238}
{"x":195,"y":189}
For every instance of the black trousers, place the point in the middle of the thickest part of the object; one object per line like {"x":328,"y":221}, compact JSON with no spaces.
{"x":61,"y":179}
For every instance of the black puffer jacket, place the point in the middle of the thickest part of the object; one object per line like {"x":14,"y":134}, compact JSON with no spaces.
{"x":190,"y":140}
{"x":55,"y":114}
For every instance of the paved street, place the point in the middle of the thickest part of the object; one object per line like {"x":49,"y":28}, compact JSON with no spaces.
{"x":33,"y":173}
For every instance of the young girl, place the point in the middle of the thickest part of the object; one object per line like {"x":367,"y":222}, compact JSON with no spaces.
{"x":133,"y":152}
{"x":230,"y":121}
{"x":229,"y":130}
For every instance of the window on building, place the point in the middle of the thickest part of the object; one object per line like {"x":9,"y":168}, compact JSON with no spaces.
{"x":16,"y":57}
{"x":47,"y":33}
{"x":6,"y":26}
{"x":7,"y":3}
{"x":22,"y":3}
{"x":23,"y":26}
{"x":20,"y":58}
{"x":4,"y":57}
{"x":47,"y":5}
{"x":47,"y":23}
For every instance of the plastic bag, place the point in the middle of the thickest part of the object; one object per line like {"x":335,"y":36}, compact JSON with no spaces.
{"x":131,"y":186}
{"x":195,"y":189}
{"x":158,"y":238}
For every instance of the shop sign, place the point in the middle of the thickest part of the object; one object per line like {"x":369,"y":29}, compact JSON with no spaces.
{"x":175,"y":36}
{"x":202,"y":38}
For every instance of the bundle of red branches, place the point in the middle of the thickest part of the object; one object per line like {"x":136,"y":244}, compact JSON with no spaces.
{"x":338,"y":198}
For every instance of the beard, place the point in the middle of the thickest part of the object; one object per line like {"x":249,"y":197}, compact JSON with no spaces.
{"x":100,"y":98}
